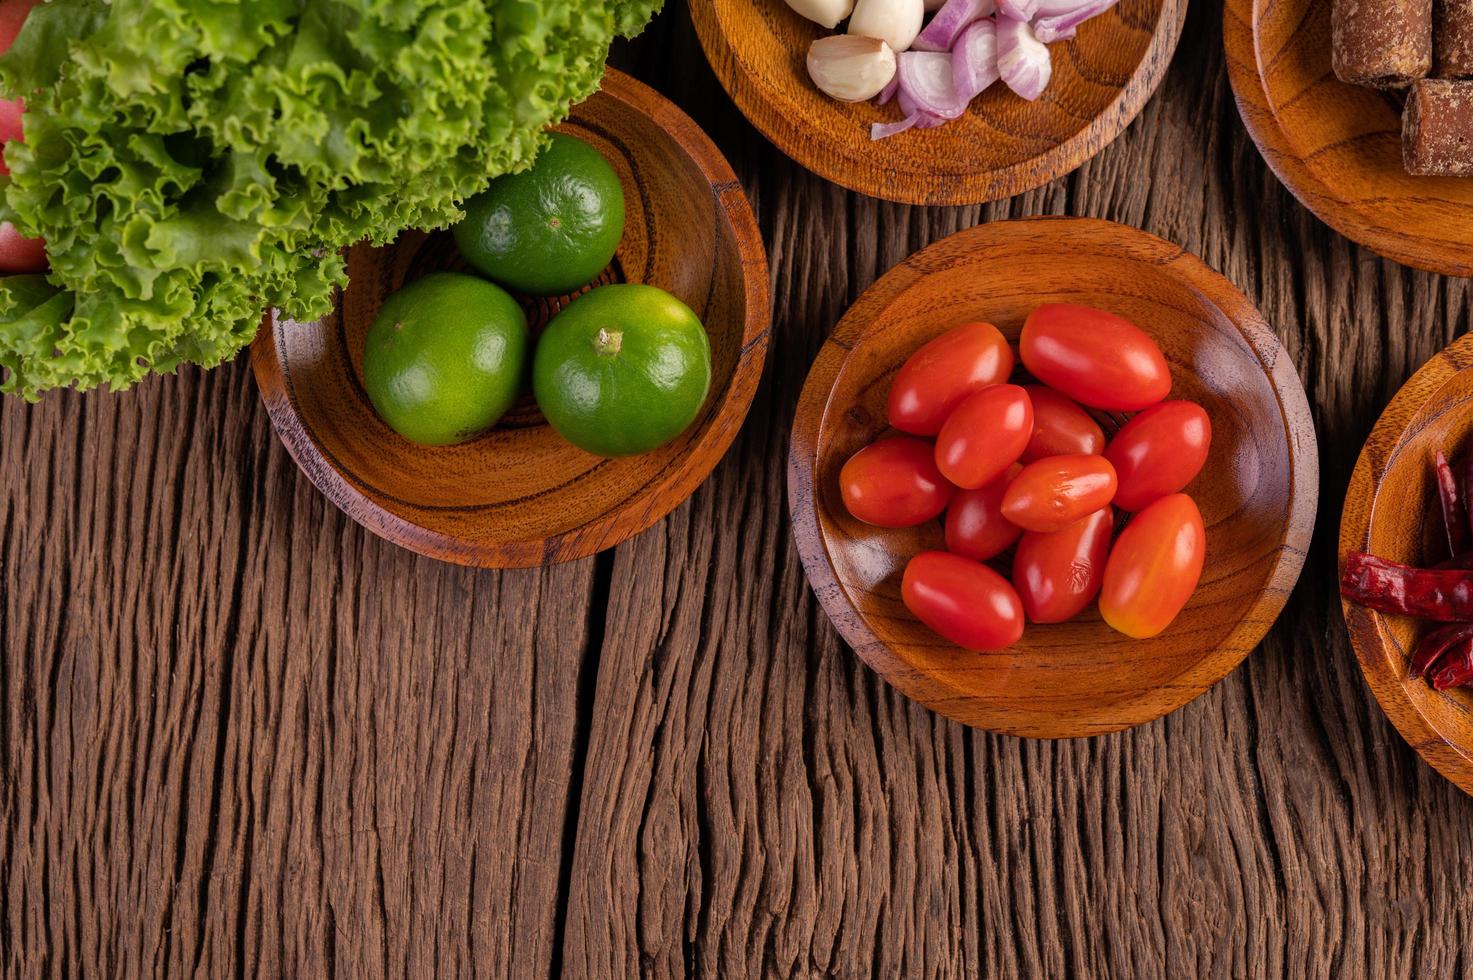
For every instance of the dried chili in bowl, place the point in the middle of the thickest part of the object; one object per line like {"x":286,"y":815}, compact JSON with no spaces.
{"x":1443,"y":593}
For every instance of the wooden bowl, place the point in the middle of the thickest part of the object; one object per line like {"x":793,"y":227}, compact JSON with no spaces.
{"x":521,"y":495}
{"x":1337,"y":147}
{"x":1257,"y":493}
{"x":1391,"y":510}
{"x":1002,"y":146}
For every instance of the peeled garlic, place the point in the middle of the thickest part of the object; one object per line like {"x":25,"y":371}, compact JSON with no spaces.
{"x":850,"y":68}
{"x":896,"y":22}
{"x":825,"y":12}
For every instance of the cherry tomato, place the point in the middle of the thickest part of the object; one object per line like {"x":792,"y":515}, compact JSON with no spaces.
{"x":20,"y":254}
{"x":17,"y":253}
{"x":1154,"y":567}
{"x":937,"y":377}
{"x":975,"y":527}
{"x":1054,"y":492}
{"x":984,"y":435}
{"x":1060,"y":427}
{"x":894,"y":483}
{"x":1096,"y":358}
{"x":963,"y":600}
{"x":1159,"y":452}
{"x":1058,"y":574}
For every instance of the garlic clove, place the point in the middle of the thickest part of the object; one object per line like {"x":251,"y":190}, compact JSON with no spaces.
{"x":896,"y":22}
{"x":825,"y":12}
{"x":850,"y":68}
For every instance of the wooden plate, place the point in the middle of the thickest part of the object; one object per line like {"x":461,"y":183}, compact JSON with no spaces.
{"x":1391,"y":510}
{"x":1257,"y":493}
{"x":1337,"y":147}
{"x":1001,"y":147}
{"x":520,"y":495}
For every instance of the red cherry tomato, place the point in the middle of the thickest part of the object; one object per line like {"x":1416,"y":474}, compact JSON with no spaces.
{"x":975,"y":527}
{"x":1096,"y":358}
{"x":1154,"y":567}
{"x":20,"y":254}
{"x":1058,"y":574}
{"x":963,"y":600}
{"x":1159,"y":452}
{"x":937,"y":377}
{"x":894,"y":483}
{"x":1054,"y":492}
{"x":984,"y":435}
{"x":1060,"y":427}
{"x":12,"y":19}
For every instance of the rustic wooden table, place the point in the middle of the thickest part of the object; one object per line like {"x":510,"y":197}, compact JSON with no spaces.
{"x":241,"y":736}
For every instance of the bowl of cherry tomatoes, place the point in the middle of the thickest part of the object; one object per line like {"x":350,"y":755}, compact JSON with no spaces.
{"x":1052,"y":477}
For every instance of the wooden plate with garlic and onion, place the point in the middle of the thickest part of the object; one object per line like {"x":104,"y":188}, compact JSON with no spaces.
{"x":962,"y":103}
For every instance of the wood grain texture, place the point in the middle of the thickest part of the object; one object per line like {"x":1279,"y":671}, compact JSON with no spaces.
{"x":1001,"y":146}
{"x":1257,"y":493}
{"x":1392,"y":510}
{"x":1336,"y":146}
{"x":521,"y":495}
{"x":242,"y":736}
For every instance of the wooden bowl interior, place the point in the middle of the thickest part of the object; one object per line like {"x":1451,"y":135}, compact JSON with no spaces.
{"x":1080,"y":677}
{"x":1001,"y":146}
{"x":1337,"y":147}
{"x":520,"y":494}
{"x":1405,"y":525}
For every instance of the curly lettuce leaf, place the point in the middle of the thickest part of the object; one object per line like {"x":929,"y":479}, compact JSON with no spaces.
{"x":192,"y":162}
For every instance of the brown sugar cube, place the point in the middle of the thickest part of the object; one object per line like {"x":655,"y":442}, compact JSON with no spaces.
{"x":1452,"y":38}
{"x":1381,"y":43}
{"x":1437,"y":129}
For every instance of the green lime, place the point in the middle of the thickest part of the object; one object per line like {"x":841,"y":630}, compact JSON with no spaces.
{"x":550,"y":229}
{"x":622,"y":370}
{"x":445,"y":358}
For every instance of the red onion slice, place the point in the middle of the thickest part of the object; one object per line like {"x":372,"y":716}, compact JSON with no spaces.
{"x":883,"y":131}
{"x":1022,"y":60}
{"x":974,"y":59}
{"x":888,"y":92}
{"x":927,"y":78}
{"x":1059,"y":26}
{"x":1023,"y":10}
{"x":949,"y":22}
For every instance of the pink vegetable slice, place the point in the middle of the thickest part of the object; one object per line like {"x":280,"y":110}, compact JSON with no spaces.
{"x":974,"y":59}
{"x":888,"y":92}
{"x":1022,"y":60}
{"x":953,"y":18}
{"x":1021,"y":10}
{"x":926,"y":77}
{"x":1060,"y":24}
{"x":883,"y":131}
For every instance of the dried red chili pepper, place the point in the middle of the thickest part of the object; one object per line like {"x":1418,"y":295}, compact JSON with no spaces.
{"x":1432,"y":646}
{"x":1457,"y":668}
{"x":1445,"y":595}
{"x":1454,"y":510}
{"x":1464,"y":560}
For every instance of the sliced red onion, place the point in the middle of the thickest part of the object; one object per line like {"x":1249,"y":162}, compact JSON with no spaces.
{"x":1023,"y":10}
{"x":1060,"y":25}
{"x":927,"y":121}
{"x":1022,"y":60}
{"x":949,"y":22}
{"x":883,"y":131}
{"x":974,"y":59}
{"x":888,"y":92}
{"x":926,"y":77}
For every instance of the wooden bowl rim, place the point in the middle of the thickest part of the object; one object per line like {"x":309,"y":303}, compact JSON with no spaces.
{"x":1130,"y":243}
{"x":789,"y":134}
{"x":1240,"y":19}
{"x":1367,"y":628}
{"x":634,"y":514}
